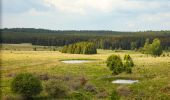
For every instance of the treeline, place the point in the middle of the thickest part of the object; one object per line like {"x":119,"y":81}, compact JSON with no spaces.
{"x":153,"y":48}
{"x":80,"y":48}
{"x":101,"y":39}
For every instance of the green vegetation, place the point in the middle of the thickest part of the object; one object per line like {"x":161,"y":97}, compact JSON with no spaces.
{"x":26,"y":84}
{"x":146,"y":48}
{"x":28,"y":47}
{"x":91,"y":80}
{"x":116,"y":65}
{"x":154,"y":49}
{"x":128,"y":64}
{"x":133,"y":46}
{"x":115,"y":95}
{"x":80,"y":48}
{"x":56,"y":88}
{"x":102,"y":39}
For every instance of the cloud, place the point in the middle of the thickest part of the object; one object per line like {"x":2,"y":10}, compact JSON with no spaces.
{"x":22,"y":6}
{"x":120,"y":15}
{"x":79,"y":6}
{"x":150,"y":21}
{"x":34,"y":12}
{"x":106,"y":6}
{"x":152,"y":18}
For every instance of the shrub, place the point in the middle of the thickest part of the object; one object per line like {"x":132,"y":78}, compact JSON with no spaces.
{"x":11,"y":75}
{"x":102,"y":94}
{"x":163,"y":97}
{"x":115,"y":64}
{"x":128,"y":64}
{"x":114,"y":95}
{"x":44,"y":77}
{"x":56,"y":88}
{"x":80,"y":48}
{"x":12,"y":97}
{"x":163,"y":55}
{"x":90,"y":88}
{"x":67,"y":78}
{"x":83,"y":81}
{"x":154,"y":49}
{"x":34,"y":49}
{"x":26,"y":84}
{"x":78,"y":96}
{"x":146,"y":47}
{"x":124,"y":91}
{"x":75,"y":85}
{"x":133,"y":45}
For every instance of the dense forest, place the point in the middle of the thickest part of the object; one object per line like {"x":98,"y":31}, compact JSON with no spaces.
{"x":80,"y":48}
{"x":102,"y":39}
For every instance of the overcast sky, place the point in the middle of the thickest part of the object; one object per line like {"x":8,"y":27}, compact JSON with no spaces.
{"x":116,"y":15}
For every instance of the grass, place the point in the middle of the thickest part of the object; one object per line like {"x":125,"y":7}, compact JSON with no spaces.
{"x":153,"y":73}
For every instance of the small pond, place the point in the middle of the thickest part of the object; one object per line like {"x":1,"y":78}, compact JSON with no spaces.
{"x":121,"y":81}
{"x":75,"y":61}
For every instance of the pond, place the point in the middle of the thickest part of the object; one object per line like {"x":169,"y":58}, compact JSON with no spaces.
{"x":75,"y":61}
{"x":121,"y":81}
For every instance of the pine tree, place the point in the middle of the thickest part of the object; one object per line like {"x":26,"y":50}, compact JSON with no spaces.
{"x":146,"y":48}
{"x":115,"y":64}
{"x":156,"y":48}
{"x":128,"y":63}
{"x":80,"y":48}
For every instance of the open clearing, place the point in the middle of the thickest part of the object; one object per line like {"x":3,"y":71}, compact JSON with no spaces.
{"x":153,"y":73}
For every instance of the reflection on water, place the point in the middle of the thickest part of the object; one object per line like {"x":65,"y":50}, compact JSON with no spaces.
{"x":121,"y":81}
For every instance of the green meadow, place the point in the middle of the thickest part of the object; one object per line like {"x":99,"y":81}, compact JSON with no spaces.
{"x":153,"y":73}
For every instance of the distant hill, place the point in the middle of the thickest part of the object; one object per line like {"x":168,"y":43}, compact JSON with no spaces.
{"x":103,"y":39}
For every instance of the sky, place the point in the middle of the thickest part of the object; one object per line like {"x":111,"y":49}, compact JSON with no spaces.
{"x":116,"y":15}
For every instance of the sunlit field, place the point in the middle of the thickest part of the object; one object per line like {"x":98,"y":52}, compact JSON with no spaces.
{"x":153,"y":73}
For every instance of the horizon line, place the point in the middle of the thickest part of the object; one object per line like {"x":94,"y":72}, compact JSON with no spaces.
{"x":80,"y":29}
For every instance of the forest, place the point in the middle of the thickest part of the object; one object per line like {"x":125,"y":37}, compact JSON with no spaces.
{"x":103,"y":39}
{"x":39,"y":64}
{"x":80,"y":48}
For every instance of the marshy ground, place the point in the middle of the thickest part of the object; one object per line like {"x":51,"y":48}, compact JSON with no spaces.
{"x":153,"y":73}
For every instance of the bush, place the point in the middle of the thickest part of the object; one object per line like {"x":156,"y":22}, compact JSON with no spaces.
{"x":124,"y":91}
{"x":79,"y":96}
{"x":26,"y":84}
{"x":44,"y":77}
{"x":56,"y":88}
{"x":115,"y":64}
{"x":128,"y":64}
{"x":90,"y":88}
{"x":12,"y":97}
{"x":83,"y":81}
{"x":114,"y":95}
{"x":154,"y":49}
{"x":102,"y":94}
{"x":80,"y":48}
{"x":74,"y":85}
{"x":34,"y":49}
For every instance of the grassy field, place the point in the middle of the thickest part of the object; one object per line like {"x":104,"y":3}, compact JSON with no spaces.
{"x":153,"y":73}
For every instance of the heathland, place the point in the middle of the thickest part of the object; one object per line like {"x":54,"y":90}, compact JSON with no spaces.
{"x":39,"y":53}
{"x":153,"y":73}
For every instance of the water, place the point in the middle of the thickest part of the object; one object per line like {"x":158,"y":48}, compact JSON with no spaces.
{"x":121,"y":81}
{"x":75,"y":61}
